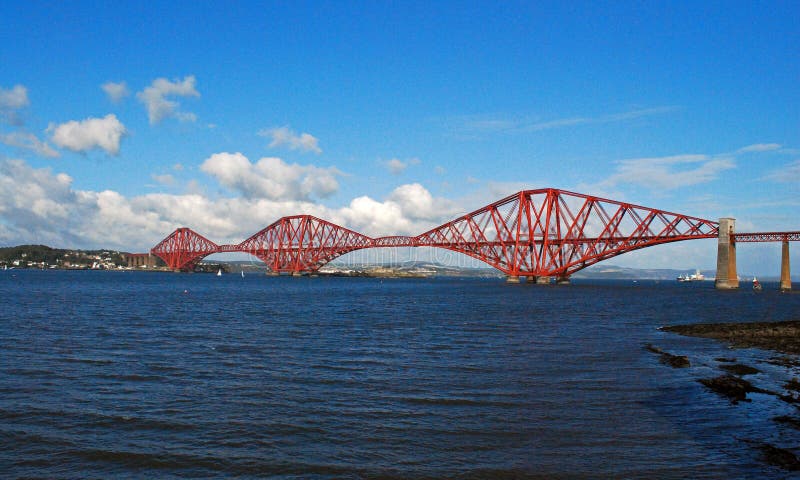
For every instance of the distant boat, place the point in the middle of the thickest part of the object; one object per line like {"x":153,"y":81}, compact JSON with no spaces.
{"x":242,"y":273}
{"x":219,"y":272}
{"x":694,"y":277}
{"x":756,"y":286}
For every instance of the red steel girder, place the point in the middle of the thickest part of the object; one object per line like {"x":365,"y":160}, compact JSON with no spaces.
{"x":544,"y":232}
{"x":551,"y":232}
{"x":302,"y":243}
{"x":183,"y":248}
{"x":767,"y":237}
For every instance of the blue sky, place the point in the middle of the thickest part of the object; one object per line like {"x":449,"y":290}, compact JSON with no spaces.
{"x":120,"y":122}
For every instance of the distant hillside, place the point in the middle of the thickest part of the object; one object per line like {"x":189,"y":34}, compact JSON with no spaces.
{"x":623,"y":273}
{"x":42,"y":254}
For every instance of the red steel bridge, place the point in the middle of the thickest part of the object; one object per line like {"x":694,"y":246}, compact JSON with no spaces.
{"x":533,"y":233}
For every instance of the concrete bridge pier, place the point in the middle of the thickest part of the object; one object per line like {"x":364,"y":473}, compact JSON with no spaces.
{"x":786,"y":279}
{"x":512,"y":279}
{"x":727,"y":278}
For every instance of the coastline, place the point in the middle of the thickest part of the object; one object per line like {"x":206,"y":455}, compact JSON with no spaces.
{"x":782,"y":337}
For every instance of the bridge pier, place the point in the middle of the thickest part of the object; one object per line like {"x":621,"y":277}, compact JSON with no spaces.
{"x":512,"y":279}
{"x":786,"y":279}
{"x":543,"y":280}
{"x":727,"y":279}
{"x":562,"y":280}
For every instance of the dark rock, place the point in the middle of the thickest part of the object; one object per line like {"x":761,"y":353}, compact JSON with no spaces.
{"x":674,"y":361}
{"x":726,"y":360}
{"x":652,"y":348}
{"x":780,"y":457}
{"x":779,"y":336}
{"x":793,"y":422}
{"x":788,"y":362}
{"x":792,"y":384}
{"x":739,"y":369}
{"x":734,"y":388}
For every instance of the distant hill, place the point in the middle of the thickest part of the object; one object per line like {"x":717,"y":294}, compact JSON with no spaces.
{"x":602,"y":271}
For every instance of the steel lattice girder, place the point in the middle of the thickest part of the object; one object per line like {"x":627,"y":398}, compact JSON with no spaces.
{"x":767,"y":237}
{"x":302,"y":243}
{"x":183,"y":248}
{"x":550,"y":232}
{"x":545,"y":232}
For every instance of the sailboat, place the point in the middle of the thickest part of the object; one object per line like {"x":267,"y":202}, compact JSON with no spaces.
{"x":219,"y":272}
{"x":756,"y":286}
{"x":242,"y":273}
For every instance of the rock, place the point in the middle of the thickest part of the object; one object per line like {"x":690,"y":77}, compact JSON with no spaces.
{"x":779,"y":336}
{"x":734,"y":388}
{"x":739,"y":369}
{"x":793,"y":422}
{"x":674,"y":361}
{"x":792,"y":384}
{"x":780,"y":457}
{"x":726,"y":360}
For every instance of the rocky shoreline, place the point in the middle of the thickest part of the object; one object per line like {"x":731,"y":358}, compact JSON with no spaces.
{"x":781,"y":337}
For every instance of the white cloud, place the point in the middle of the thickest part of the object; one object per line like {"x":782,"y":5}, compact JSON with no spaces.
{"x":284,"y":136}
{"x":15,"y":98}
{"x":165,"y":179}
{"x":28,"y":141}
{"x":159,"y":107}
{"x":469,"y":126}
{"x":397,"y":166}
{"x":789,"y":173}
{"x":115,"y":91}
{"x":668,"y":173}
{"x":271,"y":177}
{"x":11,"y":101}
{"x":759,"y":147}
{"x":417,"y":203}
{"x":105,"y":133}
{"x":40,"y":206}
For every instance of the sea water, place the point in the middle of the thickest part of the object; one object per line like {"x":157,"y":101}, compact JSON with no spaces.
{"x":161,"y":375}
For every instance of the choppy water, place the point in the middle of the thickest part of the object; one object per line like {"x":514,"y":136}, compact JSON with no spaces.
{"x":143,"y":375}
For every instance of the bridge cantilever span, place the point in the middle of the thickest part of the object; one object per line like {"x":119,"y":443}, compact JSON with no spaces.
{"x":533,"y":233}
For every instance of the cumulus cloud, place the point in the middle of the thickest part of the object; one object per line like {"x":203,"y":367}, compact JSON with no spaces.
{"x":159,"y":107}
{"x":11,"y":101}
{"x":397,"y":166}
{"x":417,"y":203}
{"x":105,"y":133}
{"x":284,"y":136}
{"x":668,"y":173}
{"x":271,"y":177}
{"x":115,"y":91}
{"x":38,"y":205}
{"x":28,"y":141}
